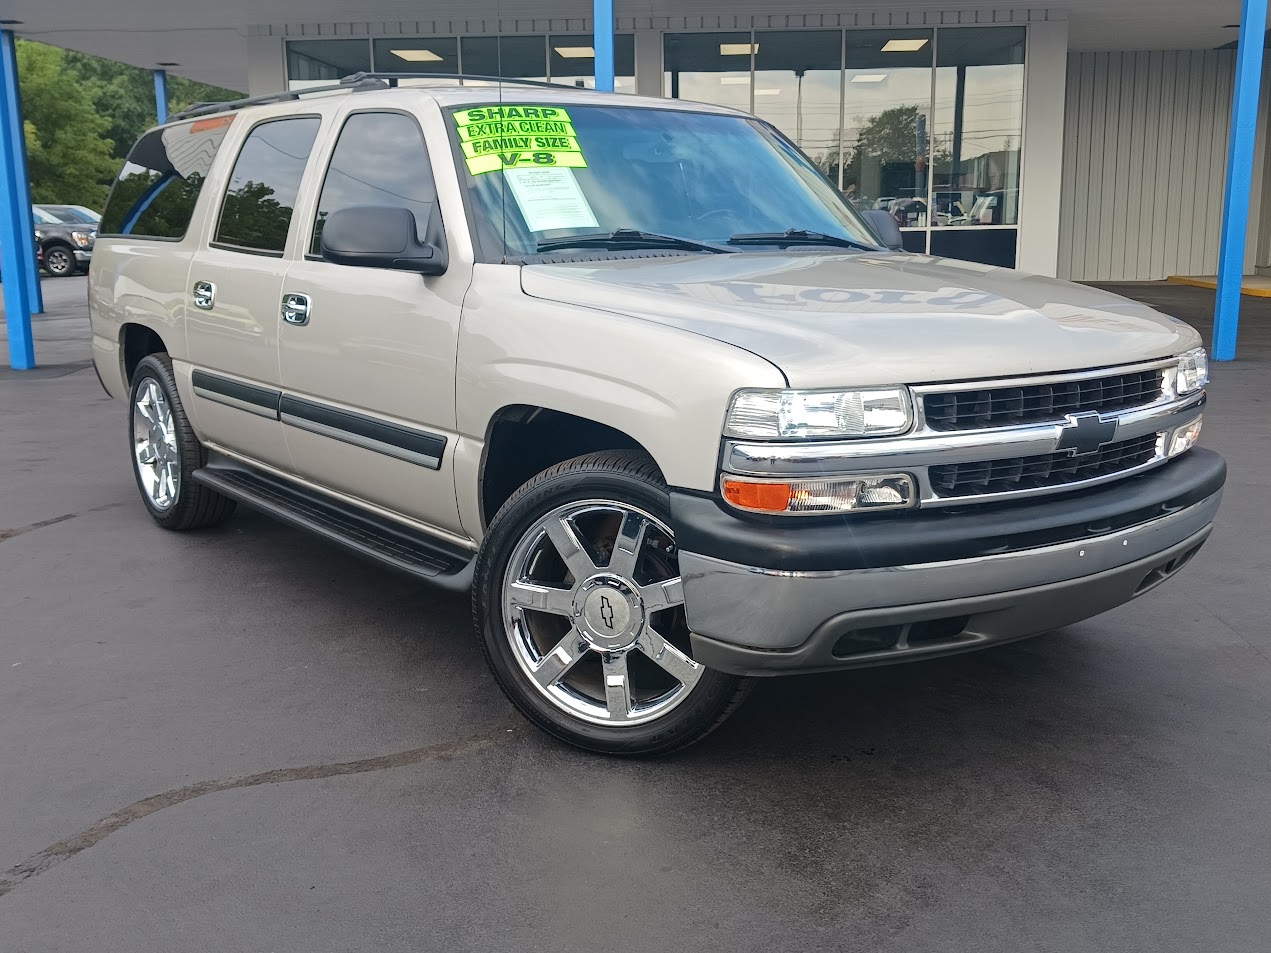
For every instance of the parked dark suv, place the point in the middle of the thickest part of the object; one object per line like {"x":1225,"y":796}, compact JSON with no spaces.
{"x":67,"y":246}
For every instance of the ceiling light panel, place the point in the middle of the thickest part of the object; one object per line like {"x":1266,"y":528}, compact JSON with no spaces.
{"x":904,"y":46}
{"x":417,"y":56}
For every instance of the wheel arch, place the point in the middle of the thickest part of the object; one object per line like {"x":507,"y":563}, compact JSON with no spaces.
{"x":135,"y":342}
{"x":523,"y":440}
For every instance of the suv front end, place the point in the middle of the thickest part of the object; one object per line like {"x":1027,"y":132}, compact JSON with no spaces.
{"x":857,"y":528}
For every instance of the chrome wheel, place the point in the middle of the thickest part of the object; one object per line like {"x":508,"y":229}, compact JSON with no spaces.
{"x":593,"y":608}
{"x":154,"y":445}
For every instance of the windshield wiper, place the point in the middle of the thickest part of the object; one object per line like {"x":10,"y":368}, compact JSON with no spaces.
{"x":624,"y":237}
{"x":798,"y":236}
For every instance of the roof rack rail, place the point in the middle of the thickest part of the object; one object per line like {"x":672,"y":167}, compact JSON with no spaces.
{"x":351,"y":83}
{"x":348,"y":84}
{"x":392,"y":79}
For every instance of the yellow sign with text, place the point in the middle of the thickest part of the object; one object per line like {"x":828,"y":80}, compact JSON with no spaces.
{"x":495,"y":138}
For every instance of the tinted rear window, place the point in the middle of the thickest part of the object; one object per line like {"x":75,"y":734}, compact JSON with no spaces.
{"x":265,"y":183}
{"x":155,"y":193}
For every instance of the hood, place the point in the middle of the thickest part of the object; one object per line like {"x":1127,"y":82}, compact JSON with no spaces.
{"x":829,"y":320}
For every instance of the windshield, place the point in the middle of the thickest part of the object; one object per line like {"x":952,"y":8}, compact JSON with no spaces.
{"x":44,"y":218}
{"x":540,"y":174}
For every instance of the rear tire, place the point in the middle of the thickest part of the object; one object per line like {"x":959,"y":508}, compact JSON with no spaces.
{"x":578,"y":605}
{"x":165,"y":452}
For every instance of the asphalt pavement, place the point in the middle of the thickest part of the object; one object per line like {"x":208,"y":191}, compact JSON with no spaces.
{"x":247,"y":740}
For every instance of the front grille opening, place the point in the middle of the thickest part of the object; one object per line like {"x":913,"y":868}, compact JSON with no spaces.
{"x":1033,"y":403}
{"x":1040,"y":472}
{"x":885,"y":637}
{"x":1165,"y":570}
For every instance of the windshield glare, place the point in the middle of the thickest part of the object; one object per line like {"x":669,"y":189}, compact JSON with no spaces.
{"x":697,"y":176}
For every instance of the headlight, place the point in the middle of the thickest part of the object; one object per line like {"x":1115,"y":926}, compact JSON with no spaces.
{"x":841,"y":494}
{"x":1193,"y":371}
{"x":774,"y":414}
{"x":82,"y":239}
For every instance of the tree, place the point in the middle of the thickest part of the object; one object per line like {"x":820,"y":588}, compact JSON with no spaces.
{"x":891,"y":136}
{"x":125,"y":96}
{"x":68,"y":152}
{"x":887,"y":155}
{"x":83,"y":113}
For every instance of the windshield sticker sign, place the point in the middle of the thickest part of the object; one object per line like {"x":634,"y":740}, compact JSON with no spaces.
{"x":495,"y":138}
{"x":550,"y":198}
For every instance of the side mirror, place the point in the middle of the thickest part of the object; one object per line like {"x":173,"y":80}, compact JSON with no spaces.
{"x":885,"y":227}
{"x":381,"y":236}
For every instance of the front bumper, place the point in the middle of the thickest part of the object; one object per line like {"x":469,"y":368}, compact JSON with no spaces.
{"x":83,"y":256}
{"x":880,"y":590}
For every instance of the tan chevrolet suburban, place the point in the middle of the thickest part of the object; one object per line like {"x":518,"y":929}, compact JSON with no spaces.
{"x":633,"y":372}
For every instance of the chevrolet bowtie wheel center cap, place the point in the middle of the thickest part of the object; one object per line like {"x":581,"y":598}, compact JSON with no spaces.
{"x":609,"y":613}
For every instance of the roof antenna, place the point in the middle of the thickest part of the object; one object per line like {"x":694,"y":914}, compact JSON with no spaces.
{"x":503,"y":180}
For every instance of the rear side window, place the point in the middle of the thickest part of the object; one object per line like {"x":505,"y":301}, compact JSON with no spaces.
{"x":261,"y":195}
{"x":155,"y":193}
{"x":379,"y":159}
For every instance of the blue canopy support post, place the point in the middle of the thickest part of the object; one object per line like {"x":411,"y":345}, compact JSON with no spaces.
{"x":602,"y":41}
{"x":34,"y":291}
{"x":17,"y":231}
{"x":1240,"y":155}
{"x":161,"y":95}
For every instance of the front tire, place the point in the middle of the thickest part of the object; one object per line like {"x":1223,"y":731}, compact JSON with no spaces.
{"x":59,"y":261}
{"x":579,"y":607}
{"x":165,"y":452}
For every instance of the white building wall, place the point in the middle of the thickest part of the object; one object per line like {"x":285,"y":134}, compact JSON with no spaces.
{"x":1145,"y":143}
{"x":1041,"y":162}
{"x":266,"y":66}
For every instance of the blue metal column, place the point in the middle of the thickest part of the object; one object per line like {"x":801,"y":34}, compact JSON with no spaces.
{"x":161,"y":95}
{"x":17,"y":231}
{"x":602,"y":41}
{"x":24,"y":177}
{"x":1235,"y":216}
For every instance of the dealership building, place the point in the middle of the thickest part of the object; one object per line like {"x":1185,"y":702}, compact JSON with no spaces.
{"x":1086,"y":139}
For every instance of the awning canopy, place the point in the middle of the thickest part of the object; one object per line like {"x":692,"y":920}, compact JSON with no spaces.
{"x":209,"y":41}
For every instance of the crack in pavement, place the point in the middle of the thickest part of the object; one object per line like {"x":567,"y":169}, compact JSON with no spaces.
{"x":68,"y":847}
{"x":19,"y":530}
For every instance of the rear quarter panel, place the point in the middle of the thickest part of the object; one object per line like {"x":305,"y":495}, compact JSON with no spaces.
{"x":136,"y":282}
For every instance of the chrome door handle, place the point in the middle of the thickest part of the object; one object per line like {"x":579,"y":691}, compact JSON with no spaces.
{"x":204,"y":295}
{"x":295,"y":308}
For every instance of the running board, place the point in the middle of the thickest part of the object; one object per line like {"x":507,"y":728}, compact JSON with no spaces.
{"x":372,"y":536}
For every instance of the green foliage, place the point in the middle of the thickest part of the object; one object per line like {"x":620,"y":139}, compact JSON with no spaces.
{"x":167,"y":216}
{"x":84,"y":113}
{"x":68,"y":152}
{"x":252,"y":219}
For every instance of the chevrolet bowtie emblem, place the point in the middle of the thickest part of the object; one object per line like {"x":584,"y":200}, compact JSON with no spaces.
{"x":1086,"y":433}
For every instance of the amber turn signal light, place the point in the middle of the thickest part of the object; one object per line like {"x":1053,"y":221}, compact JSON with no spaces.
{"x":759,"y":497}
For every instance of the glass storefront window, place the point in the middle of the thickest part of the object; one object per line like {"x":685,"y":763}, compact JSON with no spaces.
{"x":572,"y":59}
{"x":798,"y":86}
{"x":925,"y":123}
{"x":887,"y":117}
{"x":709,"y":68}
{"x":979,"y":123}
{"x":323,"y":62}
{"x":423,"y":56}
{"x":516,"y":57}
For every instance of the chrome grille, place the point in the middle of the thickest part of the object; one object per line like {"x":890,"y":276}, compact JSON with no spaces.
{"x":1038,"y":472}
{"x":1031,"y":403}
